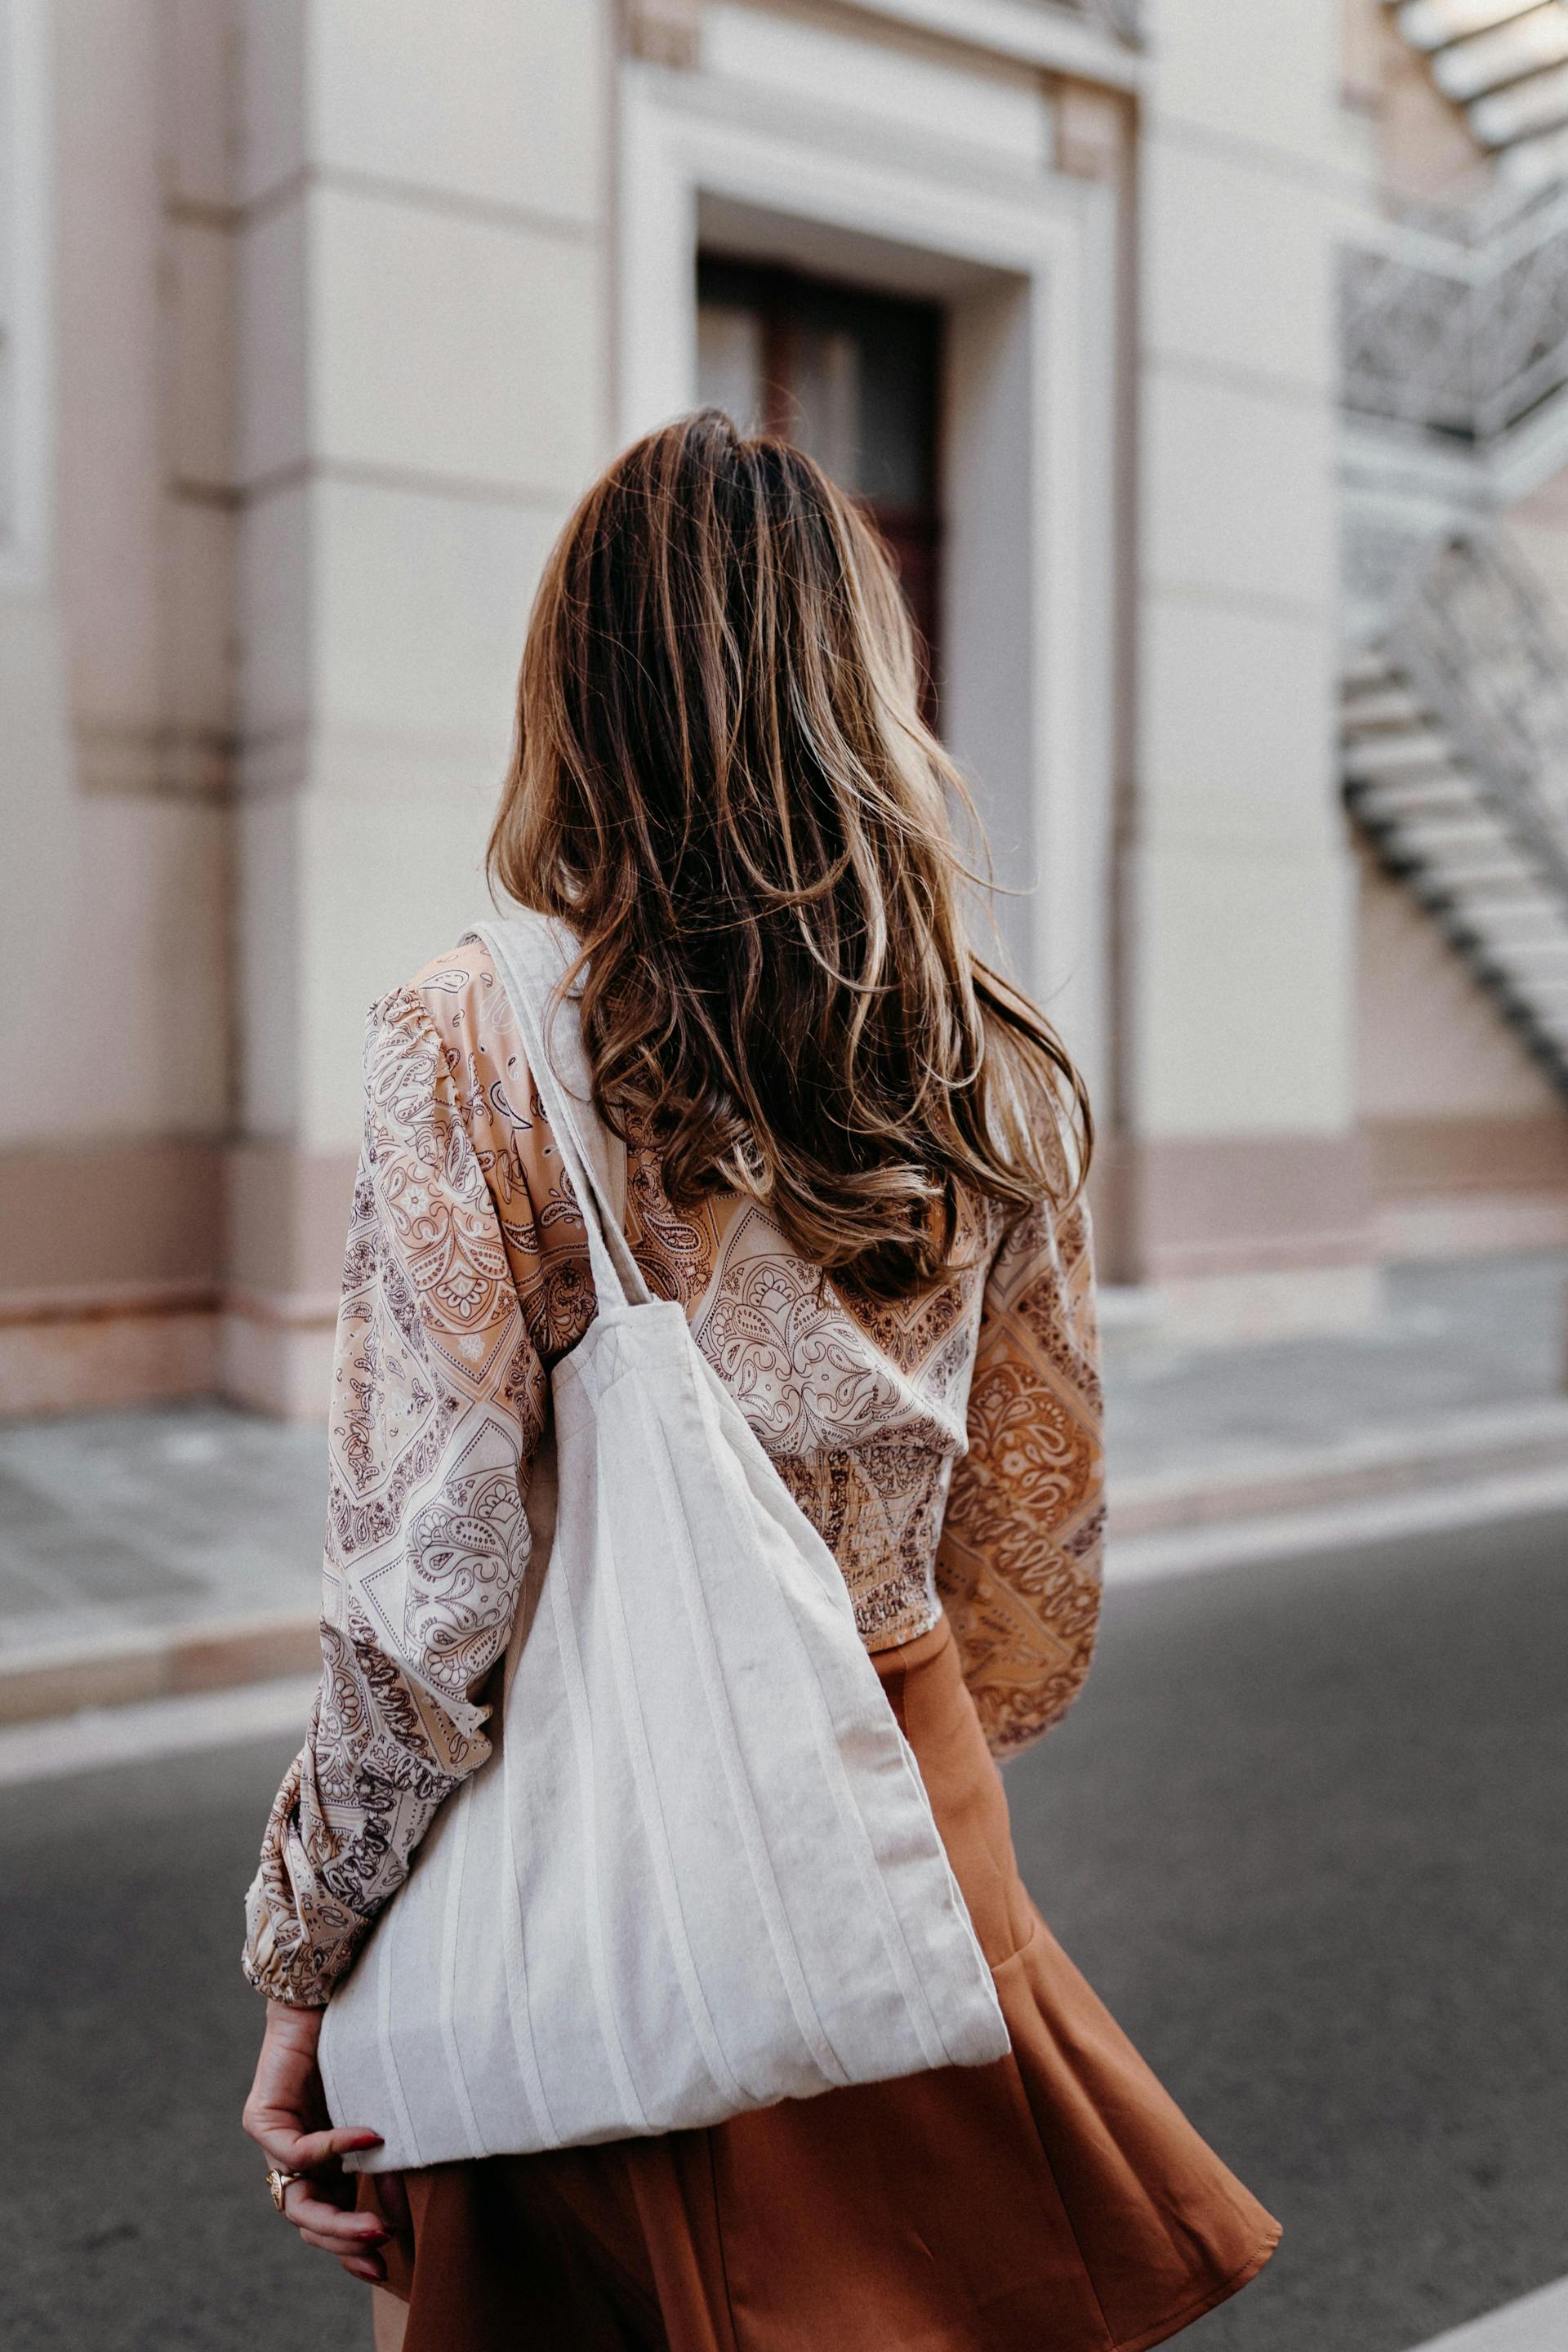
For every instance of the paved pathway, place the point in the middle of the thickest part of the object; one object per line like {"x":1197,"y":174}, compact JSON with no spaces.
{"x":1455,"y":1340}
{"x":113,"y":1524}
{"x":120,"y":1525}
{"x":1304,"y":1832}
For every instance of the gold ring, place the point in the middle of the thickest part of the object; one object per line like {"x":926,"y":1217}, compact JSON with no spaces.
{"x":277,"y":2182}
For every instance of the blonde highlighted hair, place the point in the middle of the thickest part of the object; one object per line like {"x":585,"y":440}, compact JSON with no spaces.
{"x":723,"y":783}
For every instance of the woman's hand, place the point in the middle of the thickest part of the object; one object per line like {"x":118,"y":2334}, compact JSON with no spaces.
{"x":286,"y":2115}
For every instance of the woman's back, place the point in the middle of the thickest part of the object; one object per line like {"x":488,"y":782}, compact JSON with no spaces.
{"x":945,"y":1447}
{"x":865,"y":1405}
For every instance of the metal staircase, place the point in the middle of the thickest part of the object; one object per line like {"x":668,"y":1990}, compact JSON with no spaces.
{"x":1454,"y":348}
{"x":1459,"y":326}
{"x":1455,"y":734}
{"x":1505,"y":64}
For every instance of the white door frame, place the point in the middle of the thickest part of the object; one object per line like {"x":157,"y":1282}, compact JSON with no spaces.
{"x":1027,"y":258}
{"x":26,"y":323}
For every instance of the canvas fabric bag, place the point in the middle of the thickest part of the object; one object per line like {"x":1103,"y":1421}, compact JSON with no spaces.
{"x":701,"y":1874}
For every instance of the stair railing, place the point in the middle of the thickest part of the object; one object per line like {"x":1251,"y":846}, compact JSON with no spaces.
{"x":1459,"y":322}
{"x":1121,"y":18}
{"x":1479,"y":648}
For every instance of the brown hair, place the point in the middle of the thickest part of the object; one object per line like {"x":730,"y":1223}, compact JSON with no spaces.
{"x":722,"y":783}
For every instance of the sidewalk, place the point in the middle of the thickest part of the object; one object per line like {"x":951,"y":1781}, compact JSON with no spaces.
{"x":149,"y":1554}
{"x":145,"y":1555}
{"x":1463,"y":1379}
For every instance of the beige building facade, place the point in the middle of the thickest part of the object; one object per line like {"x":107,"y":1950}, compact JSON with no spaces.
{"x":317,"y":317}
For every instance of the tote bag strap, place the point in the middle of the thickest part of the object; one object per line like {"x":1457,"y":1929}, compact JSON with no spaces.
{"x":533,"y":955}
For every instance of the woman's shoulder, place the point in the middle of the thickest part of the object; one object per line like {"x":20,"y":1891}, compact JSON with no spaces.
{"x":444,"y":1045}
{"x":459,"y":996}
{"x":444,"y":1051}
{"x":460,"y":984}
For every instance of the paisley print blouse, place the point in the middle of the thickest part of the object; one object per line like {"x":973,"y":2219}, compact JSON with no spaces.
{"x":948,"y":1449}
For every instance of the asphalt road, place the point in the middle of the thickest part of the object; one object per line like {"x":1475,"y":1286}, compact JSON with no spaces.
{"x":1305,"y":1832}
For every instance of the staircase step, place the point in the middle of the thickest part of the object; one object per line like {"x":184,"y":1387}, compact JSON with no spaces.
{"x":1434,"y":23}
{"x":1541,"y":917}
{"x":1442,"y":801}
{"x":1425,"y":748}
{"x":1505,"y":894}
{"x":1436,"y":825}
{"x":1449,"y":842}
{"x":1512,"y":51}
{"x":1547,"y":957}
{"x":1523,"y":919}
{"x":1547,"y":1015}
{"x":1537,"y":104}
{"x":1443,"y":783}
{"x":1427,"y":826}
{"x":1407,"y":803}
{"x":1543,"y":981}
{"x":1512,"y":936}
{"x":1383,"y":702}
{"x":1470,"y":825}
{"x":1369,"y":666}
{"x":1504,"y":63}
{"x":1530,"y":163}
{"x":1456,"y":887}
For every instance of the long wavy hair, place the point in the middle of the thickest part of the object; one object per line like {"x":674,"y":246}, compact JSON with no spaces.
{"x":722,"y":784}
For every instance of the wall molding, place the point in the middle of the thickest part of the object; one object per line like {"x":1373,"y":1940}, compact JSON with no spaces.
{"x":1049,"y":37}
{"x":96,"y":1218}
{"x":26,"y":234}
{"x":124,"y":761}
{"x":1199,"y":1207}
{"x":1421,"y":1158}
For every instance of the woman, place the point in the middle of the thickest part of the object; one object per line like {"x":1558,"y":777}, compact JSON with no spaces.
{"x":853,"y":1155}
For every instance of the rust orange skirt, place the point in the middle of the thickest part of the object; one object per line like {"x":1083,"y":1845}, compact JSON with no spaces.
{"x":1057,"y":2202}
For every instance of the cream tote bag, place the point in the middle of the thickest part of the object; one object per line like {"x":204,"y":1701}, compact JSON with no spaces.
{"x":701,"y":1874}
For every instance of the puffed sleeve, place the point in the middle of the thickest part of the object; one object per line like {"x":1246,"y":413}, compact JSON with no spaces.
{"x":437,"y":1405}
{"x":1019,"y":1564}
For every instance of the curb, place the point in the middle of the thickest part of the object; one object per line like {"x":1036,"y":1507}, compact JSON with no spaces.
{"x":105,"y":1738}
{"x":179,"y":1664}
{"x":1458,"y":1451}
{"x":1254,"y":1545}
{"x":1448,"y":1456}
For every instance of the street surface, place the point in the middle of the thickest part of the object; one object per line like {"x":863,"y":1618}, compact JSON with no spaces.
{"x":1304,"y":1833}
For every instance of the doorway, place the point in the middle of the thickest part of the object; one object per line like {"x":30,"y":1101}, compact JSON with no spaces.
{"x":850,"y":377}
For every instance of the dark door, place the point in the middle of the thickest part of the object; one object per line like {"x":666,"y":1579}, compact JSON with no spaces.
{"x":850,"y":377}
